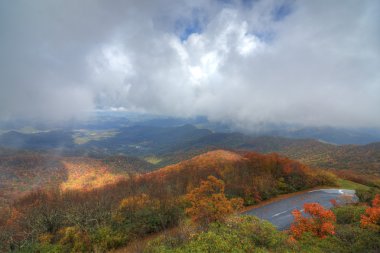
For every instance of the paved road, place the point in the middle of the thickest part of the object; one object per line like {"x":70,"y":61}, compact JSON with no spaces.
{"x":279,"y":212}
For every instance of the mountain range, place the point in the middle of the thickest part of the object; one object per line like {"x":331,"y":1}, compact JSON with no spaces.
{"x":166,"y":145}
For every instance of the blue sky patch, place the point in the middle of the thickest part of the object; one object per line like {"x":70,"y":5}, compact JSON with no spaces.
{"x":244,"y":3}
{"x":248,"y":3}
{"x":265,"y":36}
{"x":282,"y":11}
{"x":185,"y":27}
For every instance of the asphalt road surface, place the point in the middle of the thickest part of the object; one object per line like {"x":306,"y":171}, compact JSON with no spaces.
{"x":279,"y":212}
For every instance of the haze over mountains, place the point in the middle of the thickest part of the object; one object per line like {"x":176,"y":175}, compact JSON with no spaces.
{"x":110,"y":120}
{"x":164,"y":141}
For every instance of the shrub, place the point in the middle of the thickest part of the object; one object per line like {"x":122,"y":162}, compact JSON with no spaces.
{"x":142,"y":214}
{"x":355,"y":239}
{"x":309,"y":243}
{"x":320,"y":223}
{"x":41,"y":248}
{"x":324,"y":177}
{"x":106,"y":238}
{"x":348,"y":214}
{"x":371,"y":218}
{"x":73,"y":239}
{"x":366,"y":241}
{"x":237,"y":234}
{"x":367,"y":195}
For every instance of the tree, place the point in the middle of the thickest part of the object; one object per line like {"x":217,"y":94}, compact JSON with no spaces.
{"x":142,"y":214}
{"x":208,"y":202}
{"x":320,"y":223}
{"x":371,"y":218}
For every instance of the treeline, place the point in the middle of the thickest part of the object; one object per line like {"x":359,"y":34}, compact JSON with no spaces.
{"x":365,"y":179}
{"x":251,"y":176}
{"x":115,"y":215}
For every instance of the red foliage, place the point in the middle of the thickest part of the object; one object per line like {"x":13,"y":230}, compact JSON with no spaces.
{"x":376,"y":201}
{"x":288,"y":169}
{"x":321,"y":222}
{"x":334,"y":202}
{"x":371,"y":218}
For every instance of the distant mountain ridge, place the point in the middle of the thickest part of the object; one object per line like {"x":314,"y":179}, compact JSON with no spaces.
{"x":332,"y":135}
{"x":173,"y":144}
{"x":40,"y":140}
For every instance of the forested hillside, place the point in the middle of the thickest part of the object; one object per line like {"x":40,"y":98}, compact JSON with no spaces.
{"x":82,"y":218}
{"x":249,"y":175}
{"x":22,"y":172}
{"x":364,"y":158}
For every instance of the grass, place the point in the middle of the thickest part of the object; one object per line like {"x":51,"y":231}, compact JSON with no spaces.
{"x":84,"y":136}
{"x":152,"y":159}
{"x":346,"y":184}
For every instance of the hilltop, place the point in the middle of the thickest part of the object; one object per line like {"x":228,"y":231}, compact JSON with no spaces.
{"x":251,"y":175}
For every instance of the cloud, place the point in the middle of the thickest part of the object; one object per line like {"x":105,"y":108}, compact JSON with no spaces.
{"x":304,"y":62}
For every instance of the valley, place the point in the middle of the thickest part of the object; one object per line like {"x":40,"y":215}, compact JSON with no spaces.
{"x":105,"y":189}
{"x":172,"y":144}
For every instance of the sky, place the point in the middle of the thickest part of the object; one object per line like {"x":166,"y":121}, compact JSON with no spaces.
{"x":299,"y":62}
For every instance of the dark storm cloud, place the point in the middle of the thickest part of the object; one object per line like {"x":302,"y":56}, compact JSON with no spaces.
{"x":310,"y":62}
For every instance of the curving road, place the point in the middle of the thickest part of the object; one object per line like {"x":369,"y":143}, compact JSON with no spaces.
{"x":279,"y":212}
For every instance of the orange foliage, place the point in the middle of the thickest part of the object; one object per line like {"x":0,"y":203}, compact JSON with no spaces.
{"x":93,"y":186}
{"x":24,"y":173}
{"x":252,"y":176}
{"x":371,"y":218}
{"x":321,"y":222}
{"x":208,"y":202}
{"x":14,"y":216}
{"x":288,"y":169}
{"x":87,"y":174}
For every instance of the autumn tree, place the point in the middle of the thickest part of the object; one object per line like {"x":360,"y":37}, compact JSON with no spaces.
{"x":142,"y":214}
{"x":320,"y":223}
{"x":371,"y":218}
{"x":209,"y":203}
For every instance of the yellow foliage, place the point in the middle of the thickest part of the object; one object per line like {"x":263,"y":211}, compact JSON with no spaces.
{"x":45,"y":238}
{"x":88,"y":175}
{"x":76,"y":239}
{"x":137,"y":202}
{"x":132,"y":204}
{"x":208,"y":202}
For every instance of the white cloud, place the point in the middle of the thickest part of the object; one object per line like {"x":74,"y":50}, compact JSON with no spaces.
{"x":318,"y":65}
